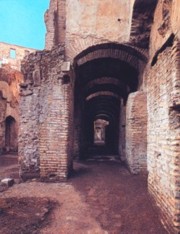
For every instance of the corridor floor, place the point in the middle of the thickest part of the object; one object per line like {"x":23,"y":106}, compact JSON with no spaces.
{"x":100,"y":197}
{"x":118,"y":200}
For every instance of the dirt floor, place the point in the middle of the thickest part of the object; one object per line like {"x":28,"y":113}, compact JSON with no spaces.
{"x":101,"y":197}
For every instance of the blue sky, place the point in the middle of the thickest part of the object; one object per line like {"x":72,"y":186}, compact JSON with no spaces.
{"x":22,"y":22}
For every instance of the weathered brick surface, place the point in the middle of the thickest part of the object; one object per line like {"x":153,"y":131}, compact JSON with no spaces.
{"x":136,"y":132}
{"x":175,"y":17}
{"x":14,"y":59}
{"x":2,"y":118}
{"x":122,"y":131}
{"x":77,"y":130}
{"x":164,"y":135}
{"x":73,"y":22}
{"x":50,"y":19}
{"x":55,"y":19}
{"x":45,"y":122}
{"x":10,"y":78}
{"x":9,"y":101}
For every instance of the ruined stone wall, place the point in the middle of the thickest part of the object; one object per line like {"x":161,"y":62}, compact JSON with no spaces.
{"x":55,"y":20}
{"x":81,"y":24}
{"x":136,"y":132}
{"x":89,"y":24}
{"x":46,"y":117}
{"x":175,"y":18}
{"x":164,"y":133}
{"x":10,"y":78}
{"x":162,"y":79}
{"x":161,"y":28}
{"x":12,"y":55}
{"x":166,"y":22}
{"x":9,"y":88}
{"x":50,"y":21}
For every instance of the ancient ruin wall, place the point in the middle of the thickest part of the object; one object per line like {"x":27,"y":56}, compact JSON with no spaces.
{"x":81,"y":24}
{"x":45,"y":123}
{"x":164,"y":133}
{"x":136,"y":132}
{"x":166,"y":22}
{"x":12,"y":55}
{"x":163,"y":77}
{"x":88,"y":24}
{"x":10,"y":78}
{"x":175,"y":17}
{"x":9,"y":99}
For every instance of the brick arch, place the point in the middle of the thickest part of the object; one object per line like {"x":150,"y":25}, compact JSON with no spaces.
{"x":104,"y":80}
{"x":13,"y":114}
{"x":135,"y":57}
{"x":101,"y":93}
{"x":100,"y":82}
{"x":102,"y":116}
{"x":104,"y":106}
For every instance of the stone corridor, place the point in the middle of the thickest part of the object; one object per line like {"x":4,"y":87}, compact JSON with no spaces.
{"x":101,"y":196}
{"x":106,"y":83}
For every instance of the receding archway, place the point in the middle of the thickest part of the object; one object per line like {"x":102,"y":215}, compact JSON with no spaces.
{"x":104,"y":76}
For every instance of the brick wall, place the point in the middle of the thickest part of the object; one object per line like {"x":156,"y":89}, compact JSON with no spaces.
{"x":9,"y":89}
{"x":163,"y":134}
{"x":2,"y":118}
{"x":122,"y":130}
{"x":136,"y":132}
{"x":55,"y":19}
{"x":50,"y":18}
{"x":46,"y":117}
{"x":77,"y":130}
{"x":71,"y":22}
{"x":13,"y":54}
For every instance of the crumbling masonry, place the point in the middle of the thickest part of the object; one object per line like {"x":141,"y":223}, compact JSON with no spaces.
{"x":10,"y":78}
{"x":115,"y":63}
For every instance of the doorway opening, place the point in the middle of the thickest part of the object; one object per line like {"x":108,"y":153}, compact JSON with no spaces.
{"x":11,"y":135}
{"x":100,"y":136}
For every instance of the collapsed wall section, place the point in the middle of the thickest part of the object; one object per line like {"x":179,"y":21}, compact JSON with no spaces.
{"x":12,"y":55}
{"x":136,"y":132}
{"x":163,"y":102}
{"x":46,"y":117}
{"x":9,"y":110}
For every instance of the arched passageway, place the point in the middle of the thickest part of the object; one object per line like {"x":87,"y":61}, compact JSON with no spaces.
{"x":105,"y":75}
{"x":10,"y":134}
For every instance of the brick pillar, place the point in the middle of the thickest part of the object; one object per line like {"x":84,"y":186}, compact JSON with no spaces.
{"x":136,"y":132}
{"x":54,"y":135}
{"x":28,"y":147}
{"x":61,"y":21}
{"x":46,"y":109}
{"x":122,"y":128}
